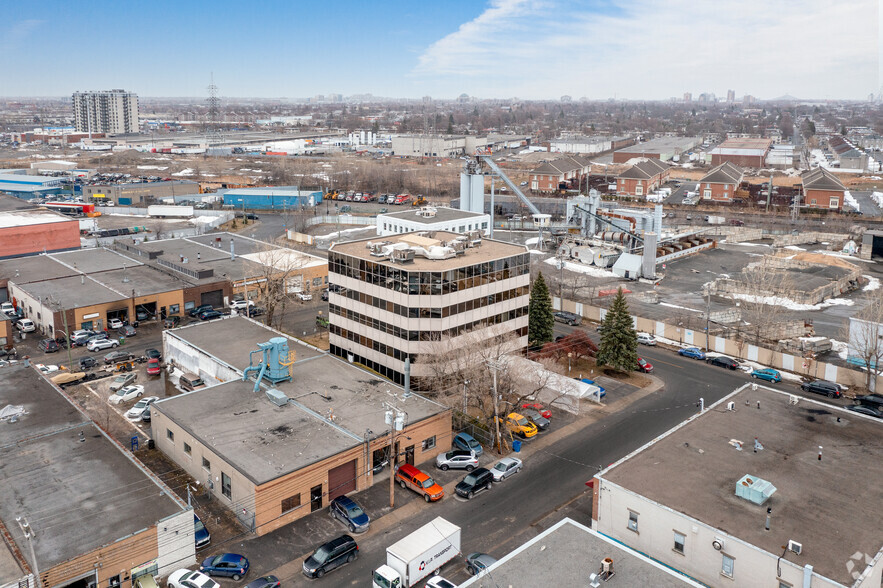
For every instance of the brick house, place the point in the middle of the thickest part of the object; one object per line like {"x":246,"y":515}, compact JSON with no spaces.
{"x":642,"y":178}
{"x":551,"y":175}
{"x":822,"y":189}
{"x":721,"y":183}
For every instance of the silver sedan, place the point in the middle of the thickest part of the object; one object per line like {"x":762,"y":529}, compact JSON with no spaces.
{"x":505,"y":468}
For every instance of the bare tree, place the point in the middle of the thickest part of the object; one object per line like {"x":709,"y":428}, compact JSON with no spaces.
{"x":764,"y":288}
{"x":280,"y":275}
{"x":865,"y":336}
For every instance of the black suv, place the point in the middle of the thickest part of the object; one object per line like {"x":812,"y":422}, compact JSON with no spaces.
{"x":88,"y":362}
{"x":829,"y":389}
{"x":48,"y":345}
{"x":332,"y":555}
{"x":480,"y":479}
{"x":196,"y":311}
{"x":568,"y":318}
{"x":723,"y":361}
{"x":871,"y":400}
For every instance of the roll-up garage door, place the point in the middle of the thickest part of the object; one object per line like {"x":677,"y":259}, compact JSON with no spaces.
{"x":341,"y":480}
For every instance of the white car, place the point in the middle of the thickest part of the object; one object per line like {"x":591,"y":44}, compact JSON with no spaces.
{"x":188,"y":579}
{"x":439,"y":582}
{"x":7,"y":308}
{"x":505,"y":468}
{"x":47,"y":369}
{"x":115,"y":323}
{"x":241,"y":304}
{"x":646,"y":339}
{"x":100,"y":344}
{"x":126,"y":394}
{"x":304,"y":296}
{"x":134,"y":413}
{"x":26,"y":325}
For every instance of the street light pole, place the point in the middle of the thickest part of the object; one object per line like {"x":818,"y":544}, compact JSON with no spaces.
{"x":465,"y":397}
{"x":495,"y":367}
{"x":29,"y":534}
{"x":395,"y":417}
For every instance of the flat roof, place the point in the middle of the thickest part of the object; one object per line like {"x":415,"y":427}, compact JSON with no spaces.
{"x":64,"y":485}
{"x":33,"y":268}
{"x":9,"y":202}
{"x":323,"y":387}
{"x":489,"y":250}
{"x":575,"y":551}
{"x":694,"y":470}
{"x":19,"y":218}
{"x":77,"y":291}
{"x":94,"y":260}
{"x":443,"y":214}
{"x":745,"y":143}
{"x":270,"y":191}
{"x":662,"y":144}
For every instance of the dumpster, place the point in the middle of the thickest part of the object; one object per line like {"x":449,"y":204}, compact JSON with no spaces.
{"x":516,"y":446}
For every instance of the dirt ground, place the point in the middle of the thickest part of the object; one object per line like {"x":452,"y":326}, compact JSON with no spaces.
{"x":587,"y":365}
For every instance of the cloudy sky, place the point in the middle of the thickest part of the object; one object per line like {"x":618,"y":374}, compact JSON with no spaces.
{"x":534,"y":49}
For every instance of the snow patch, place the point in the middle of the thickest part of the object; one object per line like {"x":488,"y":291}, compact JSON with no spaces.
{"x":791,"y":304}
{"x":840,"y":348}
{"x":532,"y":241}
{"x":849,"y":199}
{"x":794,"y":248}
{"x":184,"y":172}
{"x":583,"y":269}
{"x":676,"y":306}
{"x":873,"y":284}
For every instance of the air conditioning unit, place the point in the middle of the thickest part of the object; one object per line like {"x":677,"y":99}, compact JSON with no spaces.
{"x":731,"y":406}
{"x":794,"y":546}
{"x":718,"y":544}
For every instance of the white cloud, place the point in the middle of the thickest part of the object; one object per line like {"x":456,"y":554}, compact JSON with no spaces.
{"x":651,"y":49}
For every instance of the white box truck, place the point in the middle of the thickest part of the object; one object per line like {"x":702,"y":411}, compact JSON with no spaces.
{"x":418,"y":555}
{"x":171,"y":211}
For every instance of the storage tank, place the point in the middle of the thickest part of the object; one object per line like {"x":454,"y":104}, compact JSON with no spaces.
{"x":584,"y":254}
{"x":605,"y":257}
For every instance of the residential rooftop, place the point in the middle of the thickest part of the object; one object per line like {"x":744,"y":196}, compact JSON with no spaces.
{"x":694,"y":470}
{"x":574,"y":552}
{"x":489,"y":250}
{"x":65,"y":475}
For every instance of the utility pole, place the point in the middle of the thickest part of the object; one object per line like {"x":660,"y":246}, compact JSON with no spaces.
{"x":465,"y":397}
{"x":29,"y":534}
{"x":395,"y":418}
{"x":707,"y":313}
{"x":495,"y":367}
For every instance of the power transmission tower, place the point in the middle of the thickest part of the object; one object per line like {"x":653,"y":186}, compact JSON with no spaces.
{"x":213,"y":133}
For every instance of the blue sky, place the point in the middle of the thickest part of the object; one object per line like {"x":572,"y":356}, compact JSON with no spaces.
{"x":499,"y":48}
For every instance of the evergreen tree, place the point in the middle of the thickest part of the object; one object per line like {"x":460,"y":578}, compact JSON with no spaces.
{"x":540,"y":321}
{"x":619,"y":342}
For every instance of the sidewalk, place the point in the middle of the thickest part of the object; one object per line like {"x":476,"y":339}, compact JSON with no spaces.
{"x":281,"y":552}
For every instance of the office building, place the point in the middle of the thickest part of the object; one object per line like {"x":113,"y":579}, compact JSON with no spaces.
{"x":391,"y":299}
{"x":113,"y":112}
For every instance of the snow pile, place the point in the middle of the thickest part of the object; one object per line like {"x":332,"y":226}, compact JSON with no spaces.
{"x":791,"y":304}
{"x":794,"y":248}
{"x":532,"y":241}
{"x":591,"y":270}
{"x":878,"y":198}
{"x":184,"y":172}
{"x":849,"y":199}
{"x":873,"y":284}
{"x":680,"y":307}
{"x":159,"y":167}
{"x":840,"y":348}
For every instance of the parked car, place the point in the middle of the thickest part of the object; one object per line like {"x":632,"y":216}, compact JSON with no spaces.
{"x":345,"y":510}
{"x":200,"y":533}
{"x":190,"y":382}
{"x":241,"y":304}
{"x":693,"y":352}
{"x":115,"y":356}
{"x":264,"y":582}
{"x":567,"y":318}
{"x":646,"y":339}
{"x":188,"y":579}
{"x":136,"y":412}
{"x":170,"y":322}
{"x":420,"y":482}
{"x":829,"y":389}
{"x":47,"y":368}
{"x":48,"y":345}
{"x":88,"y":362}
{"x":439,"y":582}
{"x":545,"y":412}
{"x":123,"y":380}
{"x":478,"y":562}
{"x":304,"y":296}
{"x":208,"y":315}
{"x":874,"y":401}
{"x":506,"y":467}
{"x":331,"y":555}
{"x":200,"y":309}
{"x":25,"y":325}
{"x":541,"y":422}
{"x":644,"y":366}
{"x":126,"y":393}
{"x":7,"y":308}
{"x":127,"y":331}
{"x":519,"y":425}
{"x":230,"y":565}
{"x":142,"y":314}
{"x":602,"y":391}
{"x":114,"y":323}
{"x":474,"y":482}
{"x":866,"y":410}
{"x":458,"y":459}
{"x":153,"y":367}
{"x":723,"y":361}
{"x":102,"y":344}
{"x":254,"y":311}
{"x":768,"y":374}
{"x":467,"y":442}
{"x":153,"y":353}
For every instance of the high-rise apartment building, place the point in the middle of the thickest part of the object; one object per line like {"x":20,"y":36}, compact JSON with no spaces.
{"x":396,"y":298}
{"x":731,"y":96}
{"x":112,"y":112}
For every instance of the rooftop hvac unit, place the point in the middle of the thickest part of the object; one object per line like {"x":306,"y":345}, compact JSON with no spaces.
{"x":402,"y":255}
{"x":795,"y":547}
{"x":754,"y":489}
{"x":427,"y":212}
{"x":276,"y":397}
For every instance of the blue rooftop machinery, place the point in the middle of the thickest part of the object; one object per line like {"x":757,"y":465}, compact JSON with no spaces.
{"x":275,"y":363}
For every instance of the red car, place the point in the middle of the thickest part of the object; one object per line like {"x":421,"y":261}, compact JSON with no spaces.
{"x":153,"y":367}
{"x":644,"y":366}
{"x":544,"y":412}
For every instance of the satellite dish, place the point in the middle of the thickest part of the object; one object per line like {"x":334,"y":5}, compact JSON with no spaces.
{"x":717,"y":544}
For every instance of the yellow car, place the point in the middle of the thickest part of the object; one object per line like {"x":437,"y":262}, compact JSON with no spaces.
{"x":520,"y":425}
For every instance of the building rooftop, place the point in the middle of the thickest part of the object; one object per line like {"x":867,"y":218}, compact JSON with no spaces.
{"x":644,"y":170}
{"x":18,"y":218}
{"x":821,"y":179}
{"x":574,"y":552}
{"x":823,"y":504}
{"x":489,"y":250}
{"x":270,"y":191}
{"x":94,"y":260}
{"x":333,"y":403}
{"x":76,"y":291}
{"x":443,"y":214}
{"x":662,"y":144}
{"x":725,"y":173}
{"x":744,"y":143}
{"x":65,"y":475}
{"x":33,"y":268}
{"x":8,"y":202}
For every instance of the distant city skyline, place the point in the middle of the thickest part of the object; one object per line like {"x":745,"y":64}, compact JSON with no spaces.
{"x":530,"y":49}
